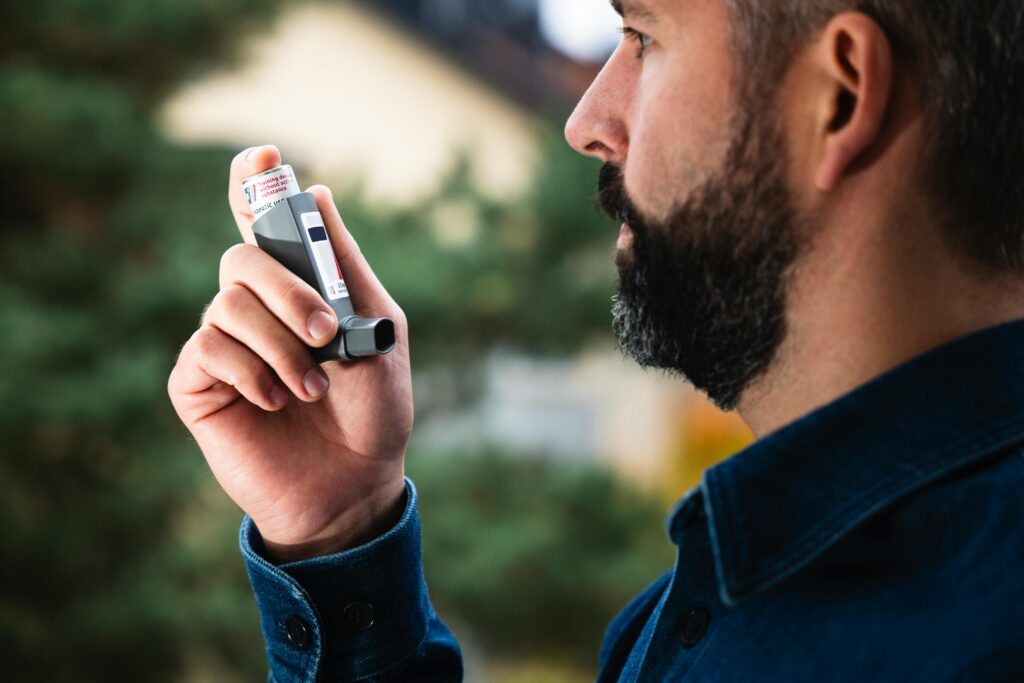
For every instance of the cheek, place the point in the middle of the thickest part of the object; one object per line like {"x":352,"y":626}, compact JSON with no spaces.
{"x":653,"y":173}
{"x":668,"y":152}
{"x":680,"y":136}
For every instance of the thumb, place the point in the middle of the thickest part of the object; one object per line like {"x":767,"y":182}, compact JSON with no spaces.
{"x":368,"y":294}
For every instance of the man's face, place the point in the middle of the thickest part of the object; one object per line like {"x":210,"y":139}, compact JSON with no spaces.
{"x":697,"y":174}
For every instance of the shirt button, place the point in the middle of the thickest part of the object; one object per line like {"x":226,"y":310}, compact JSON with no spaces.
{"x":359,"y":616}
{"x":298,"y":632}
{"x":694,"y":625}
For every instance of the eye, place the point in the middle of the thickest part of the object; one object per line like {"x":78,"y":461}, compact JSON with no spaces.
{"x":642,"y":40}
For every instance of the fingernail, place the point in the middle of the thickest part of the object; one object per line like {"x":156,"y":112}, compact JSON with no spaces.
{"x":249,"y":152}
{"x":321,"y":324}
{"x":316,"y":382}
{"x":278,"y":396}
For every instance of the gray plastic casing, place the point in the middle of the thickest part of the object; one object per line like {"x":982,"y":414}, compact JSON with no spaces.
{"x":280,"y":233}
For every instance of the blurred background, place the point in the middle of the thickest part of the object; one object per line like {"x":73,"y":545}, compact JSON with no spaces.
{"x":546,"y":463}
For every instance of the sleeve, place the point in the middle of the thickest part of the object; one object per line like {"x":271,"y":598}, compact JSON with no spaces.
{"x":363,"y":614}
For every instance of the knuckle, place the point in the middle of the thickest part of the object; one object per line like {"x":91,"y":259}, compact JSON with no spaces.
{"x":172,"y":381}
{"x":178,"y":356}
{"x":238,"y":161}
{"x":297,"y":293}
{"x":206,"y":312}
{"x":300,"y":301}
{"x":234,"y":257}
{"x":351,"y":250}
{"x":206,"y":342}
{"x":235,"y":300}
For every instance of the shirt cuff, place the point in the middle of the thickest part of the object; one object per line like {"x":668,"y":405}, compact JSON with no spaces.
{"x":345,"y":616}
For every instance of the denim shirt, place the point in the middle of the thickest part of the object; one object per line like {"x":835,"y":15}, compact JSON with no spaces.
{"x":879,"y":538}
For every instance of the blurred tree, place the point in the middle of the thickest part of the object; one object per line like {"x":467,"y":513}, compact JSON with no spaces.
{"x":103,"y":577}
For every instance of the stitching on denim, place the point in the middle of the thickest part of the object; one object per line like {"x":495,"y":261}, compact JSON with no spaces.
{"x":888,"y":488}
{"x":670,"y":522}
{"x":882,"y":493}
{"x":401,"y":660}
{"x":656,"y":614}
{"x":275,"y":574}
{"x":725,"y":490}
{"x":318,"y":631}
{"x":716,"y":555}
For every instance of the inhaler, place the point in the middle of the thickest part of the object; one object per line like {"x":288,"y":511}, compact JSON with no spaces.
{"x":289,"y":227}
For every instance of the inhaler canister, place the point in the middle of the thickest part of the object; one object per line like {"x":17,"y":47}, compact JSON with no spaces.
{"x":266,"y":190}
{"x":289,"y":227}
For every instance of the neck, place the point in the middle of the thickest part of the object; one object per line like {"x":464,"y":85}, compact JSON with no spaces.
{"x":864,"y":301}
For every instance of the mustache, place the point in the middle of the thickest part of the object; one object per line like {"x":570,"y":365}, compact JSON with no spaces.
{"x":612,"y":196}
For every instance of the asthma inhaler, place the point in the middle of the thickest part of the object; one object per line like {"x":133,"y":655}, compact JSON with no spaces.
{"x":289,"y":227}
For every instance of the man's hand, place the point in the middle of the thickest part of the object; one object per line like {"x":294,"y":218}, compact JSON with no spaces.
{"x":314,"y":454}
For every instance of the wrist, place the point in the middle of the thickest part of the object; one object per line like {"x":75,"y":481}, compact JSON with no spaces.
{"x":356,"y":526}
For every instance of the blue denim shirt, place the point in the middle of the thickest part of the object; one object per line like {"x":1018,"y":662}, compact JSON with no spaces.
{"x":879,"y":538}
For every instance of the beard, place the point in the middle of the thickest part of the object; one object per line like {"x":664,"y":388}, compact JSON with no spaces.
{"x":702,"y":294}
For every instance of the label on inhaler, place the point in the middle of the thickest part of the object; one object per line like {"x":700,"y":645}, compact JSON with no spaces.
{"x":266,"y":190}
{"x":323,"y":252}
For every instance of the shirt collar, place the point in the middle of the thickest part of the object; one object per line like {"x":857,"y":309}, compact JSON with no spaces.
{"x":783,"y":501}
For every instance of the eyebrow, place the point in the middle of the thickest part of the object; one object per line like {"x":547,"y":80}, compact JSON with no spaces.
{"x":634,"y":9}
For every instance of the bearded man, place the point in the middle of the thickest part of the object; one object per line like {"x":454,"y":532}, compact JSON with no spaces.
{"x":822,"y":209}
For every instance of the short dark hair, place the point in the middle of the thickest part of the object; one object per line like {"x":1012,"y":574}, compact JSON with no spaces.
{"x":968,"y":56}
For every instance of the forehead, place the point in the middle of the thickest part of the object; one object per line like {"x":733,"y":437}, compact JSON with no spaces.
{"x":637,"y":9}
{"x":665,"y":12}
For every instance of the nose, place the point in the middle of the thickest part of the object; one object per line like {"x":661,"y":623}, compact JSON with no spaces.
{"x":599,"y":125}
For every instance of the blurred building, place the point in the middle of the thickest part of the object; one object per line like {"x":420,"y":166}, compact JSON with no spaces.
{"x":503,"y":42}
{"x":651,"y":429}
{"x":383,"y":93}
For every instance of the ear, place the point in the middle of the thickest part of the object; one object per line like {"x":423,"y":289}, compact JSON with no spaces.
{"x":855,"y":57}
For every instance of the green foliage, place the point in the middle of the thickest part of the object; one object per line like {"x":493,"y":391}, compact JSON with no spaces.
{"x":100,"y":283}
{"x":98,"y":473}
{"x":145,"y":48}
{"x":535,"y":555}
{"x":72,"y":136}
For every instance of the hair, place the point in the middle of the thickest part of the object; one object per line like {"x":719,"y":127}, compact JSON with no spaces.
{"x":968,"y":58}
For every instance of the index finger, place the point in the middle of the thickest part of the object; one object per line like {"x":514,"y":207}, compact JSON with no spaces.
{"x":246,"y":163}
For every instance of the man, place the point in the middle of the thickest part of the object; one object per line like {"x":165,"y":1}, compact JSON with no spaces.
{"x":823,"y":227}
